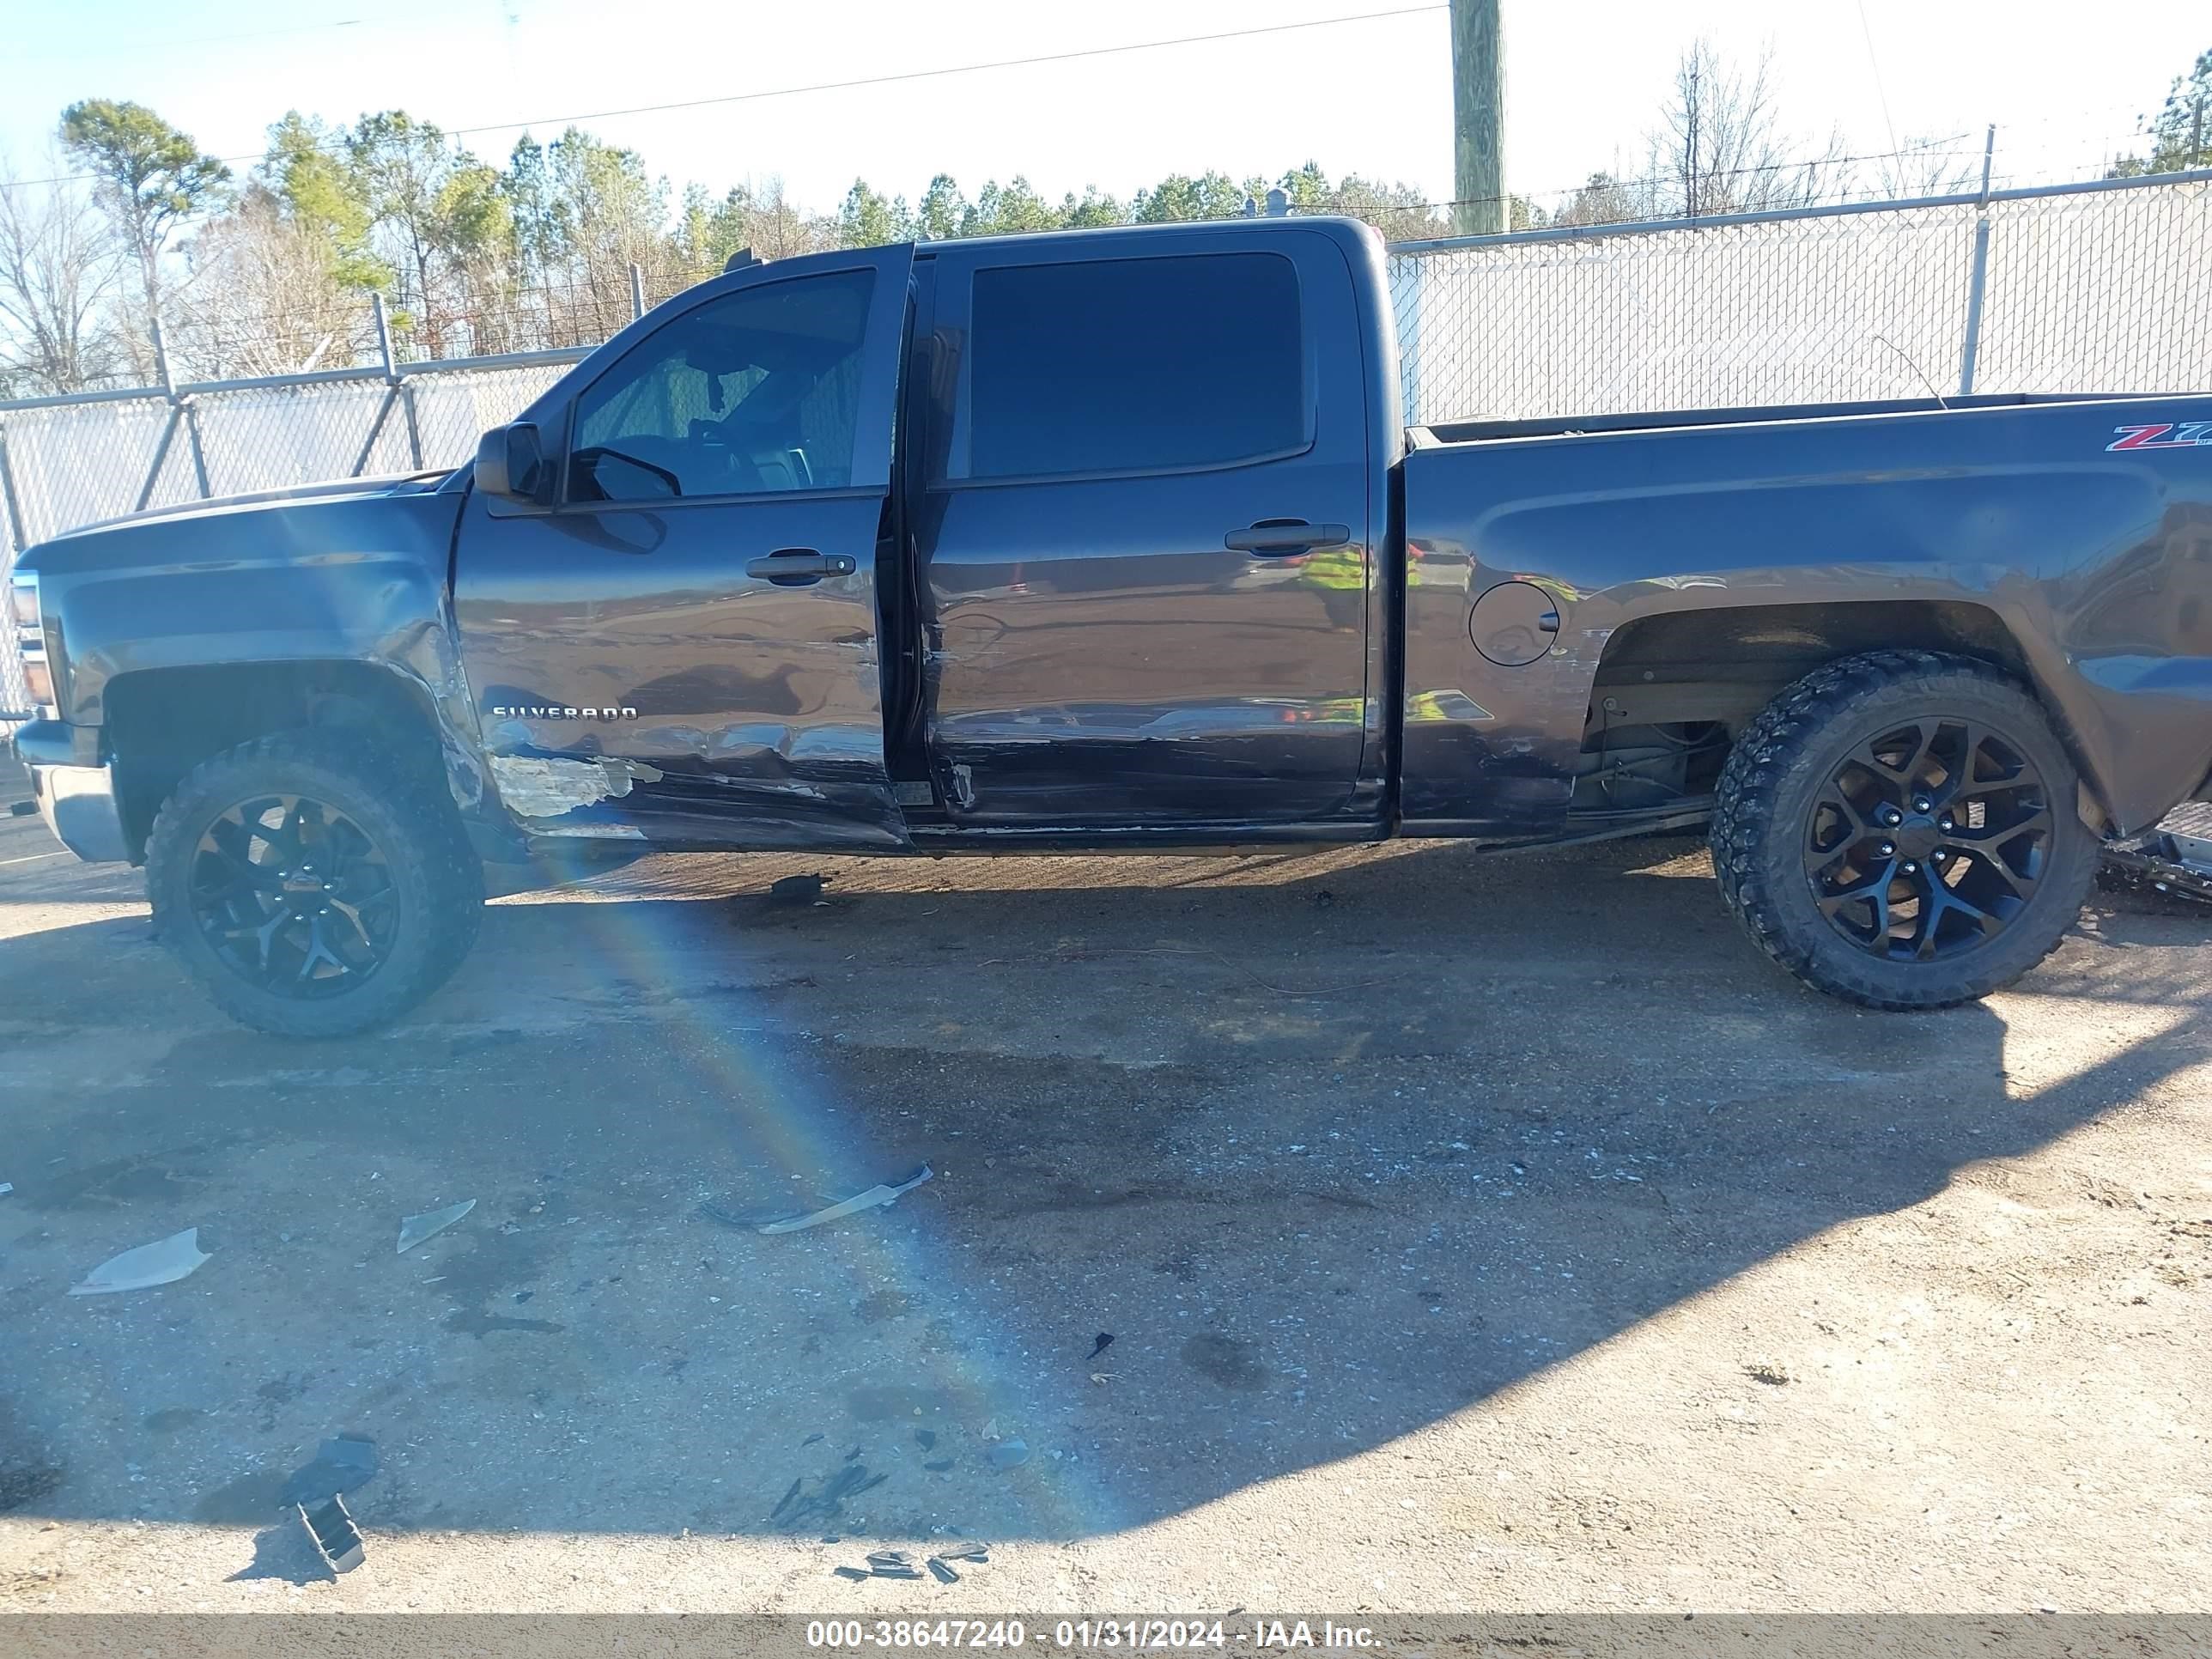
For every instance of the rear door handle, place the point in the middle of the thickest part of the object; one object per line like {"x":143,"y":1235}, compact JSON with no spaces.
{"x":800,"y":566}
{"x":1275,"y":535}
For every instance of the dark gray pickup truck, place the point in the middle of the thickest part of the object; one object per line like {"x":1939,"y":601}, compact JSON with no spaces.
{"x":1116,"y":540}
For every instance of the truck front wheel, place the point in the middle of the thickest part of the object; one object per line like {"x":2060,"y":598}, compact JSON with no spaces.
{"x":1899,"y":830}
{"x":314,"y":886}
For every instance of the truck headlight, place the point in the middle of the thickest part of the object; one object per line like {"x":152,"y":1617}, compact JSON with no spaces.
{"x":29,"y":628}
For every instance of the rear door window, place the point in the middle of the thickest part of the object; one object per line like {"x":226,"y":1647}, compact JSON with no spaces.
{"x":1089,"y":366}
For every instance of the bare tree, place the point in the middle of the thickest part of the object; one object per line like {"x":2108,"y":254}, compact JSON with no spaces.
{"x":58,"y":272}
{"x":1606,"y":200}
{"x":267,"y":299}
{"x":1722,"y":150}
{"x":1929,"y":167}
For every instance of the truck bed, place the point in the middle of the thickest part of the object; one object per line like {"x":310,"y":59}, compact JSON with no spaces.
{"x":1666,"y":573}
{"x":1477,"y":429}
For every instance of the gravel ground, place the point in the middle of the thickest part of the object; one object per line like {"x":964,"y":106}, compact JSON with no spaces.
{"x":1474,"y":1232}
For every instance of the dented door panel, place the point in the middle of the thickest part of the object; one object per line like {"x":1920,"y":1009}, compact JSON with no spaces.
{"x":639,"y":670}
{"x":639,"y":685}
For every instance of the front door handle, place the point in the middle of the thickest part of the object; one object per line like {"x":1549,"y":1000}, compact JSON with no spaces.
{"x":1270,"y":537}
{"x":800,"y":566}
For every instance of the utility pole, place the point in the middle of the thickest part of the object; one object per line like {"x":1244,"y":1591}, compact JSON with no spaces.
{"x":1478,"y":119}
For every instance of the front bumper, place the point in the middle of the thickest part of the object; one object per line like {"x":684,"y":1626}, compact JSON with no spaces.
{"x":76,"y":800}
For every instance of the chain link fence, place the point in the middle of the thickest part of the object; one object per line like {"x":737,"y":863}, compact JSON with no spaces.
{"x":2080,"y":289}
{"x":2094,"y":288}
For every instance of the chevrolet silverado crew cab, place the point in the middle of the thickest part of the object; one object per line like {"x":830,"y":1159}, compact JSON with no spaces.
{"x":1116,"y":539}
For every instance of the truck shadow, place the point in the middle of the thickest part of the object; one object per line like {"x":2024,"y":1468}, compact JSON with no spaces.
{"x":1333,"y":1150}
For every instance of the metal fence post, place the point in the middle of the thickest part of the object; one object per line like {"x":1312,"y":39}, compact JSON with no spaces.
{"x":399,"y":389}
{"x":383,"y":336}
{"x":636,"y":292}
{"x":199,"y":455}
{"x":168,"y":391}
{"x":181,"y":409}
{"x":17,"y":541}
{"x":1977,"y":284}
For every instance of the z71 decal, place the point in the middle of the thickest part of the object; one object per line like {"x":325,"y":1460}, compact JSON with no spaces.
{"x":2188,"y":434}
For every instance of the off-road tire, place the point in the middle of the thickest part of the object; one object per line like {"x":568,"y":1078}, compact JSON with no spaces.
{"x":435,"y":876}
{"x":1770,"y":787}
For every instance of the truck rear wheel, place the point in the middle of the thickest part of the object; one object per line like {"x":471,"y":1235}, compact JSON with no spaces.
{"x":1899,"y":830}
{"x":315,"y":887}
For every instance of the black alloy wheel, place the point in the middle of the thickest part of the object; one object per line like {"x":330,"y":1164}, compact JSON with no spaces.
{"x":1928,"y":839}
{"x":294,"y":897}
{"x":1904,"y":829}
{"x":316,"y":884}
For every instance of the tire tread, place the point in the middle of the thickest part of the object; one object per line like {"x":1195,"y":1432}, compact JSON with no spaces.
{"x":452,"y":873}
{"x":1746,"y":807}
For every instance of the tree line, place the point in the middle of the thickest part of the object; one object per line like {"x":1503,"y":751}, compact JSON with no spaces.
{"x":270,"y":271}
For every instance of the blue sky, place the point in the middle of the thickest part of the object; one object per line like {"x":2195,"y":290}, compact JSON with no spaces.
{"x":1585,"y":78}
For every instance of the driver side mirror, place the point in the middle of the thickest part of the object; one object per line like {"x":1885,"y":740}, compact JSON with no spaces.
{"x":511,"y":462}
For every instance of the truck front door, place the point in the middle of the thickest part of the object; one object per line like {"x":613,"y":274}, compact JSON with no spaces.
{"x":1144,"y":530}
{"x":681,"y":645}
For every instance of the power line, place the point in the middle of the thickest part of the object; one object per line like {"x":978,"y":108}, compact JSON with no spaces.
{"x":886,"y":79}
{"x":1866,"y":30}
{"x":170,"y":43}
{"x":961,"y":69}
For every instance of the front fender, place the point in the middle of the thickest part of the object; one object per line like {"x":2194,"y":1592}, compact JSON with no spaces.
{"x":359,"y":579}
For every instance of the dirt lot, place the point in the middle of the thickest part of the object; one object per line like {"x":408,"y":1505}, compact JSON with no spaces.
{"x":1474,"y":1232}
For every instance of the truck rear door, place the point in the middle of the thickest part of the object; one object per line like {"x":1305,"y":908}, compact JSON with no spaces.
{"x":682,"y":645}
{"x":1142,"y":529}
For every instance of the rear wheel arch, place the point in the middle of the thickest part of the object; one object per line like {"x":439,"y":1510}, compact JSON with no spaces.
{"x":1737,"y":659}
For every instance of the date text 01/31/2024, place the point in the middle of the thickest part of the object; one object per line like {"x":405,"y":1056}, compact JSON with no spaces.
{"x":1087,"y":1634}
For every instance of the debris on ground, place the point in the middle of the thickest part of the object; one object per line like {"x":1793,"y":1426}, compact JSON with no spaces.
{"x":797,"y":889}
{"x":1009,"y":1454}
{"x":163,"y":1262}
{"x":414,"y":1229}
{"x":897,"y":1564}
{"x":335,"y":1534}
{"x":6,"y":1188}
{"x":925,"y":1438}
{"x":874,"y":1198}
{"x":939,"y":1465}
{"x":341,"y":1463}
{"x":891,"y":1563}
{"x":1105,"y":1341}
{"x":939,"y":1569}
